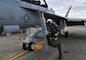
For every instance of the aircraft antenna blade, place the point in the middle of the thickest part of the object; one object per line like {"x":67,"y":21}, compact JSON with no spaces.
{"x":68,"y":11}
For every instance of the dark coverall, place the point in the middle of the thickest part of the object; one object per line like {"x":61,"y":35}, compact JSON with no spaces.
{"x":52,"y":29}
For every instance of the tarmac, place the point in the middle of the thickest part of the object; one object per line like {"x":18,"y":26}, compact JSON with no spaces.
{"x":73,"y":47}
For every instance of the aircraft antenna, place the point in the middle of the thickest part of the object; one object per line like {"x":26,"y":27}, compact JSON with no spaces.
{"x":68,"y":11}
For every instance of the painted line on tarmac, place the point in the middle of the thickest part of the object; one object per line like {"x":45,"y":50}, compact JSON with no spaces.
{"x":26,"y":51}
{"x":38,"y":46}
{"x":18,"y":55}
{"x":40,"y":43}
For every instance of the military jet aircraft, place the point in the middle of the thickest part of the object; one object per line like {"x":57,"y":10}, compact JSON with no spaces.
{"x":20,"y":14}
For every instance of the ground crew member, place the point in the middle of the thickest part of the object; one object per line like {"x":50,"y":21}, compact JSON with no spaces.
{"x":53,"y":31}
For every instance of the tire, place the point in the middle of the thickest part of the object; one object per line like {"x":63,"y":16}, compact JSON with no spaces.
{"x":66,"y":34}
{"x":25,"y":47}
{"x":31,"y":46}
{"x":1,"y":30}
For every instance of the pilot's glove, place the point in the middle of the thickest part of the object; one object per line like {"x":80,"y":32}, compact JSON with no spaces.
{"x":56,"y":34}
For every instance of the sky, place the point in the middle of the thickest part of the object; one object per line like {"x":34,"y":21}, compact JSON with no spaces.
{"x":61,"y":7}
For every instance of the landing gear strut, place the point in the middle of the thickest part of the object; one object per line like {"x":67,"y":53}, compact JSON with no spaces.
{"x":64,"y":33}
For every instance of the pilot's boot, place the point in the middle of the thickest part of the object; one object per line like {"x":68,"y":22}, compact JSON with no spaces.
{"x":48,"y":40}
{"x":49,"y":43}
{"x":60,"y":52}
{"x":60,"y":56}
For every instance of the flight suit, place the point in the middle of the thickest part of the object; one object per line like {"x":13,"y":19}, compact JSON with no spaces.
{"x":51,"y":33}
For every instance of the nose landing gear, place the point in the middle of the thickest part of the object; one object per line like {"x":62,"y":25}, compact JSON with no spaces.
{"x":27,"y":43}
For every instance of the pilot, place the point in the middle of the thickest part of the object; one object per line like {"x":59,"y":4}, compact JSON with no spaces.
{"x":53,"y":31}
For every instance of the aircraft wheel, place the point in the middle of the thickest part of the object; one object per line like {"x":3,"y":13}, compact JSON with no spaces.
{"x":31,"y":46}
{"x":25,"y":46}
{"x":66,"y":34}
{"x":1,"y":30}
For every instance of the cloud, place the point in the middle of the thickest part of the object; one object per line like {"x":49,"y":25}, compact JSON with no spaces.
{"x":61,"y":7}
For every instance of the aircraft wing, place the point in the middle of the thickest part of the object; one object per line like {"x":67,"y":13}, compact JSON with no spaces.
{"x":48,"y":13}
{"x":76,"y":21}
